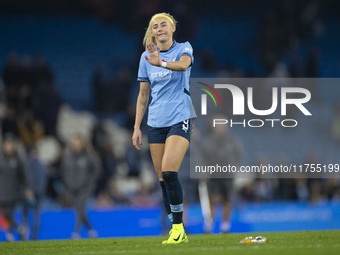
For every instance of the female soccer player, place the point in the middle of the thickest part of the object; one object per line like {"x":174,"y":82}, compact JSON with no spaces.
{"x":164,"y":68}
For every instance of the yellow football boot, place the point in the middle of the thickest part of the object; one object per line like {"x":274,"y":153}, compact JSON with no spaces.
{"x":177,"y":235}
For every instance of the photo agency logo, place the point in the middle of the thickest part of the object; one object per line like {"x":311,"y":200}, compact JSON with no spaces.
{"x":281,"y":98}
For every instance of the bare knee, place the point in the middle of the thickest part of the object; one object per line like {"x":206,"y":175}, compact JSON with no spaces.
{"x":169,"y":165}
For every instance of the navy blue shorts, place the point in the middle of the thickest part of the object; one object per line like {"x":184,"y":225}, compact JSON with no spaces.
{"x":160,"y":134}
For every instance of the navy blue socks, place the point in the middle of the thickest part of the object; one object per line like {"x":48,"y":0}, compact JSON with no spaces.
{"x":175,"y":195}
{"x":166,"y":200}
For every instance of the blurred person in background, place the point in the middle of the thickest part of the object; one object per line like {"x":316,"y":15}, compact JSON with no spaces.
{"x":41,"y":72}
{"x":14,"y":185}
{"x":133,"y":160}
{"x":11,"y":77}
{"x":25,"y":71}
{"x":80,"y":169}
{"x":23,"y":95}
{"x":224,"y":148}
{"x":101,"y":141}
{"x":190,"y":185}
{"x":47,"y":103}
{"x":11,"y":70}
{"x":111,"y":95}
{"x":121,"y":89}
{"x":30,"y":129}
{"x":37,"y":178}
{"x":316,"y":190}
{"x":99,"y":90}
{"x":264,"y":188}
{"x":287,"y":187}
{"x":190,"y":188}
{"x":9,"y":124}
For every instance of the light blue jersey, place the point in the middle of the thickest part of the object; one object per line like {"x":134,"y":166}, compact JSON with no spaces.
{"x":170,"y":103}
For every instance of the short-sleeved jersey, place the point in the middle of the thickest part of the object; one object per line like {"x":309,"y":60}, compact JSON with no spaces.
{"x":170,"y":96}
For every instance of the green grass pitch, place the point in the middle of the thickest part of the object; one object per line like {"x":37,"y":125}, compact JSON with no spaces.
{"x":305,"y":243}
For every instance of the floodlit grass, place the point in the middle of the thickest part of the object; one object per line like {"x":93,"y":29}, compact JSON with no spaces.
{"x":307,"y":242}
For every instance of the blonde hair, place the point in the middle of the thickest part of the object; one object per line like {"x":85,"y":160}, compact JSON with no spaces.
{"x":148,"y":38}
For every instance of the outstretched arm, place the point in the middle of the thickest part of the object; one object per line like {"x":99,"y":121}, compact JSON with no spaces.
{"x":181,"y":65}
{"x":142,"y":104}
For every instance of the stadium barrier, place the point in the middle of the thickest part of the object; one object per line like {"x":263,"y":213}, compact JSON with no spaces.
{"x":133,"y":221}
